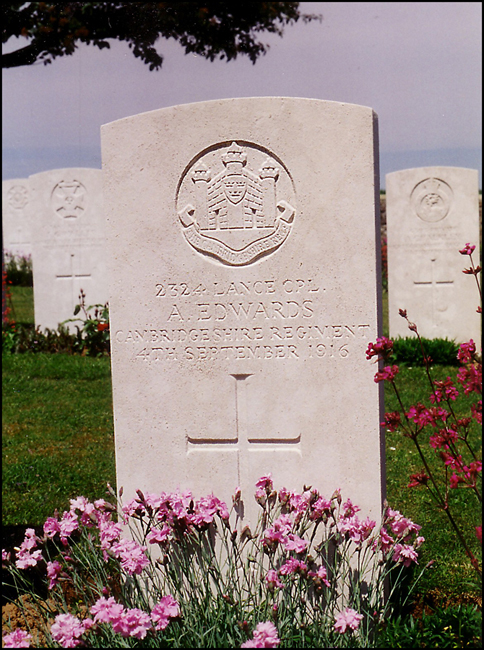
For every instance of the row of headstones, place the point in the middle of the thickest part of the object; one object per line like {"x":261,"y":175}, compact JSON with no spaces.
{"x":57,"y":217}
{"x":243,"y":240}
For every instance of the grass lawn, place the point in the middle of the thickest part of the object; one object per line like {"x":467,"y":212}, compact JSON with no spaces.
{"x":22,"y":304}
{"x":58,"y":433}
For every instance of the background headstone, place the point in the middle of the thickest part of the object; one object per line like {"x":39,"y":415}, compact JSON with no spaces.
{"x":16,"y":217}
{"x":432,"y":212}
{"x":244,"y":254}
{"x":69,"y":250}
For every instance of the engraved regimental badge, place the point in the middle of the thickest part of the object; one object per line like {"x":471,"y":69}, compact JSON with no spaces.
{"x":68,"y":199}
{"x":18,"y":197}
{"x":236,"y":203}
{"x":431,"y":199}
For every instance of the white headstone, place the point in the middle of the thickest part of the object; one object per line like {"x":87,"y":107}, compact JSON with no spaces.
{"x":432,"y":212}
{"x":69,"y":250}
{"x":243,"y":258}
{"x":16,"y":226}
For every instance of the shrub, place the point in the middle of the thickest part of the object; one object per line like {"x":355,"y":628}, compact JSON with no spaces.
{"x":18,"y":269}
{"x":408,"y":351}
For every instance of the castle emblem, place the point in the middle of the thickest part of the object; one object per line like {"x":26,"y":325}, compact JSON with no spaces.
{"x":236,"y":204}
{"x":431,"y":199}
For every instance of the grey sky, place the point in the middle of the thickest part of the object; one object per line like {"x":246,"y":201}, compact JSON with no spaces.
{"x":417,"y":64}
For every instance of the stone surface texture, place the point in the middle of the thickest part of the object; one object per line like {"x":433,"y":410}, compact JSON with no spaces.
{"x":244,"y":243}
{"x":432,"y":212}
{"x":69,"y":243}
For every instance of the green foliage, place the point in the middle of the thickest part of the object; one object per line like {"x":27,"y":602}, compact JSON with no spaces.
{"x":91,"y":337}
{"x":19,"y":270}
{"x":212,"y":29}
{"x":454,"y":627}
{"x":408,"y":351}
{"x":94,"y":331}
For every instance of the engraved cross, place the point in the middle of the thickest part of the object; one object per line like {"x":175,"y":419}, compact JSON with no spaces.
{"x":434,"y":285}
{"x":73,"y":278}
{"x":245,"y":442}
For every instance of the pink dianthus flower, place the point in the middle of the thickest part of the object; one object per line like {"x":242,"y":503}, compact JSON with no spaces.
{"x":132,"y":622}
{"x":68,"y":629}
{"x":158,"y":536}
{"x":264,"y":487}
{"x":405,"y":554}
{"x":53,"y":570}
{"x":272,"y":580}
{"x":162,"y":612}
{"x":292,"y":565}
{"x":295,"y":543}
{"x":17,"y":639}
{"x":131,"y":555}
{"x":265,"y":636}
{"x":106,"y":610}
{"x":347,"y":619}
{"x":321,"y":575}
{"x":51,"y":527}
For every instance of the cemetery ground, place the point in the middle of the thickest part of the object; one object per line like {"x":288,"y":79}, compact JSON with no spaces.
{"x":58,"y":443}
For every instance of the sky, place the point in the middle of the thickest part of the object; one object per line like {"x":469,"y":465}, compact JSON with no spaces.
{"x":417,"y":64}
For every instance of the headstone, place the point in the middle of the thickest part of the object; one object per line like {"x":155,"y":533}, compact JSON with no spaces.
{"x":243,"y":238}
{"x":69,"y":251}
{"x":432,"y":212}
{"x":16,"y":217}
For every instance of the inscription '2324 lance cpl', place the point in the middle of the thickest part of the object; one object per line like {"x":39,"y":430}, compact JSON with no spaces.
{"x":231,"y":212}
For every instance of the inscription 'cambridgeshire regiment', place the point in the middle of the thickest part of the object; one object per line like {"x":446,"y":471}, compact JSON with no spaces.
{"x":231,"y":212}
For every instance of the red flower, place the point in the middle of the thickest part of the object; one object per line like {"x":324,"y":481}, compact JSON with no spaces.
{"x":418,"y":479}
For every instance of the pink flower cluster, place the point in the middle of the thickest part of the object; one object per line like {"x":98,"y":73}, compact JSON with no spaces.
{"x":468,"y":249}
{"x":355,"y":529}
{"x":383,"y":348}
{"x":134,"y":622}
{"x":131,"y":556}
{"x":394,"y":537}
{"x":264,"y":487}
{"x":349,"y":619}
{"x":265,"y":636}
{"x":175,"y":512}
{"x":26,"y":556}
{"x":444,"y":390}
{"x":387,"y":374}
{"x":67,"y":630}
{"x":17,"y":639}
{"x":280,"y":533}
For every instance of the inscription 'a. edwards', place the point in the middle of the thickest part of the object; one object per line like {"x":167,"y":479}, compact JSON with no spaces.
{"x":236,"y":203}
